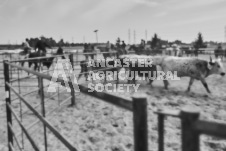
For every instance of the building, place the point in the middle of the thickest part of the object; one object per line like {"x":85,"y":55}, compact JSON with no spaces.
{"x":211,"y":47}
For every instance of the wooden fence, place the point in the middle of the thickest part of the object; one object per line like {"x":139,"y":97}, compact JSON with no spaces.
{"x":191,"y":128}
{"x":137,"y":105}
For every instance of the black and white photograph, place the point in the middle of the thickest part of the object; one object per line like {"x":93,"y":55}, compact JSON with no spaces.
{"x":113,"y":75}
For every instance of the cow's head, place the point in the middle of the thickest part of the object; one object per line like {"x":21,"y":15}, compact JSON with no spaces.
{"x":216,"y":67}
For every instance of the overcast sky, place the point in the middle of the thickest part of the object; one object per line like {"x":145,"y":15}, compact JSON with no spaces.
{"x":77,"y":19}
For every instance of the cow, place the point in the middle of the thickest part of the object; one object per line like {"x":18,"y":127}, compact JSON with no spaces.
{"x":44,"y":61}
{"x":194,"y":68}
{"x":48,"y":61}
{"x":35,"y":62}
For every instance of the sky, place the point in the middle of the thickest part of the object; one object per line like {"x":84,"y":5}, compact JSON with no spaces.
{"x":75,"y":20}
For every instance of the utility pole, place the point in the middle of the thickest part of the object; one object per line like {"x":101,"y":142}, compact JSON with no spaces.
{"x":225,"y":34}
{"x":134,"y":36}
{"x":72,"y":39}
{"x":146,"y":35}
{"x":96,"y":35}
{"x":129,"y":36}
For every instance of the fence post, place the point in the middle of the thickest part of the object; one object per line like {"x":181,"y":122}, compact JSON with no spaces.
{"x":42,"y":96}
{"x":8,"y":100}
{"x":71,"y":60}
{"x":140,"y":123}
{"x":72,"y":93}
{"x":70,"y":83}
{"x":11,"y":70}
{"x":161,"y":131}
{"x":77,"y":63}
{"x":190,"y":137}
{"x":21,"y":107}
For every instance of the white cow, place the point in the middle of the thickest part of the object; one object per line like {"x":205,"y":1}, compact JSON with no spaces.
{"x":190,"y":67}
{"x":186,"y":67}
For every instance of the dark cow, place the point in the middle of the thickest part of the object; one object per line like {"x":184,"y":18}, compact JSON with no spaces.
{"x":47,"y":62}
{"x":35,"y":62}
{"x":44,"y":61}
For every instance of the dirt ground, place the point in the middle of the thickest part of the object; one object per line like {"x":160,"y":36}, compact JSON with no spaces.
{"x":94,"y":125}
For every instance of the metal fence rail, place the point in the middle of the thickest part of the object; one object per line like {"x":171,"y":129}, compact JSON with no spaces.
{"x":191,"y":128}
{"x":137,"y":105}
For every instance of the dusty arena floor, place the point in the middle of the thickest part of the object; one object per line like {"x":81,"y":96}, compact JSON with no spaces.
{"x":94,"y":125}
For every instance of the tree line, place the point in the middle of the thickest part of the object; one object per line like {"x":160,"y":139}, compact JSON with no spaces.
{"x":156,"y":42}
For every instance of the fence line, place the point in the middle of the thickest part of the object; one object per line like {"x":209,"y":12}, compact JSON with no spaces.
{"x":44,"y":121}
{"x":137,"y":105}
{"x":191,"y":128}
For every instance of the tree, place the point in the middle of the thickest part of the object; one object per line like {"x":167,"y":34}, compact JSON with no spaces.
{"x":199,"y":42}
{"x":178,"y":42}
{"x":61,"y":42}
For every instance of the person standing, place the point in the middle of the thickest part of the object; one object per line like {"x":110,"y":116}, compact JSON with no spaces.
{"x":60,"y":51}
{"x":108,"y":46}
{"x":123,"y":45}
{"x":118,"y":41}
{"x":27,"y":47}
{"x":142,"y":44}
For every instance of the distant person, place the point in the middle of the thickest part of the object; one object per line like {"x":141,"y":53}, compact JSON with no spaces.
{"x":92,"y":51}
{"x":86,"y":50}
{"x":60,"y":51}
{"x":216,"y":53}
{"x":142,"y":44}
{"x":118,"y":41}
{"x":27,"y":47}
{"x":41,"y":45}
{"x":123,"y":45}
{"x":196,"y":52}
{"x":219,"y":52}
{"x":108,"y":46}
{"x":85,"y":46}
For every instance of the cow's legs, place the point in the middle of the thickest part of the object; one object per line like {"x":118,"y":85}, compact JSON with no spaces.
{"x":134,"y":78}
{"x":205,"y":84}
{"x":190,"y":83}
{"x":117,"y":82}
{"x":105,"y":76}
{"x":166,"y":83}
{"x":80,"y":74}
{"x":150,"y":82}
{"x":29,"y":65}
{"x":36,"y":66}
{"x":129,"y":81}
